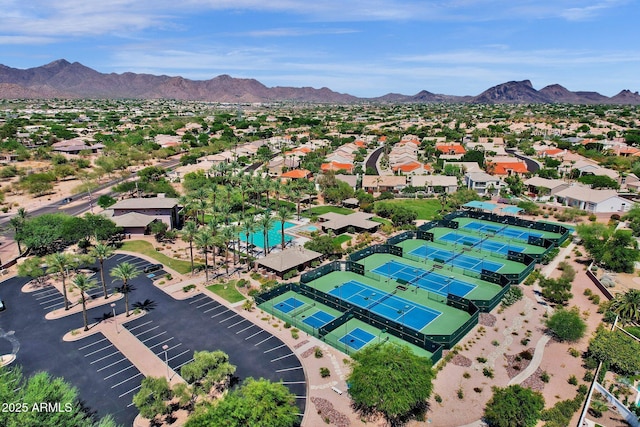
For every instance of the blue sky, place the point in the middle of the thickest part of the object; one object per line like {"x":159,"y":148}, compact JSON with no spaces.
{"x":362,"y":47}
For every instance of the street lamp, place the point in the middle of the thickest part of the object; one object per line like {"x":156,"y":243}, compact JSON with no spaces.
{"x":166,"y":361}
{"x":113,"y":307}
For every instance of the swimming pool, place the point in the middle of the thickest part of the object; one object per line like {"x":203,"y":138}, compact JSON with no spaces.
{"x":274,"y":236}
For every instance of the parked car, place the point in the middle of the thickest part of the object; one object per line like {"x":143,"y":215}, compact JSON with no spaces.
{"x":153,"y":267}
{"x":2,"y":306}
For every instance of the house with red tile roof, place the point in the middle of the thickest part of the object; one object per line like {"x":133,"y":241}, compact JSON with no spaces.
{"x":296,"y":174}
{"x":452,"y":149}
{"x":503,"y":168}
{"x":336,"y":166}
{"x":406,"y":168}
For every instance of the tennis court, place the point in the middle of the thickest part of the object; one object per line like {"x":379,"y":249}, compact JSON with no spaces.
{"x":357,"y":338}
{"x":289,"y":304}
{"x":425,"y":279}
{"x":505,"y":231}
{"x":486,"y":244}
{"x":318,"y":319}
{"x":386,"y":305}
{"x":467,"y":262}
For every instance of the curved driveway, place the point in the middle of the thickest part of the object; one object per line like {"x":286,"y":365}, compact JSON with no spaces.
{"x":105,"y":379}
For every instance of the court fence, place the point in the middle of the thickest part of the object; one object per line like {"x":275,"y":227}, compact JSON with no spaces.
{"x":563,"y":231}
{"x":375,"y":249}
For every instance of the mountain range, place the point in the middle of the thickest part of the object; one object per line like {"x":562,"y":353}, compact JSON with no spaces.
{"x":62,"y":79}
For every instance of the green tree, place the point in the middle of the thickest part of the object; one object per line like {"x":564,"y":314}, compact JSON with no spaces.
{"x":567,"y":325}
{"x":41,"y":389}
{"x":390,"y":379}
{"x":60,"y":264}
{"x":620,"y":351}
{"x":266,"y":222}
{"x":556,"y":291}
{"x":105,"y":201}
{"x":627,"y":306}
{"x":125,"y":272}
{"x":101,"y":252}
{"x":283,"y":215}
{"x":204,"y":241}
{"x":152,"y":398}
{"x":84,"y":284}
{"x":188,"y":234}
{"x":17,"y":223}
{"x":633,"y":217}
{"x":209,"y":370}
{"x":257,"y":403}
{"x":323,"y":244}
{"x":514,"y":406}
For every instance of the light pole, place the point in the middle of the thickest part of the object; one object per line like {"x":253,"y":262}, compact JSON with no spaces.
{"x":113,"y":307}
{"x":166,"y":361}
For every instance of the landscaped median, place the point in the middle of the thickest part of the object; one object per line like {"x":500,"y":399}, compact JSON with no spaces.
{"x":227,"y":290}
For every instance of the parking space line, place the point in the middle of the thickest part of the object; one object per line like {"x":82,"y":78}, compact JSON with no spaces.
{"x":237,"y":323}
{"x":47,"y":293}
{"x":221,"y":313}
{"x":59,"y":304}
{"x":282,"y":357}
{"x":301,"y":397}
{"x":93,"y":343}
{"x":228,"y":318}
{"x":206,"y":303}
{"x":111,"y":364}
{"x":242,"y":330}
{"x":99,"y":350}
{"x":160,"y":343}
{"x":128,"y":379}
{"x":251,"y":336}
{"x":264,"y":340}
{"x":274,"y":348}
{"x":120,"y":371}
{"x":155,"y":336}
{"x":50,"y":298}
{"x":184,"y":352}
{"x":198,"y":299}
{"x":142,"y":324}
{"x":127,"y":392}
{"x":182,"y":364}
{"x":214,"y":308}
{"x":102,"y":358}
{"x":289,"y":369}
{"x":292,"y":382}
{"x":148,"y":330}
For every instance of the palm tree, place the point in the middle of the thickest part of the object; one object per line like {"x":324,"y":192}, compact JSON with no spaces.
{"x":17,"y":222}
{"x":627,"y":306}
{"x":266,"y":222}
{"x":187,"y":234}
{"x":102,"y":252}
{"x":249,"y":228}
{"x":84,"y":284}
{"x":226,"y":235}
{"x":283,"y":215}
{"x":200,"y":206}
{"x":60,"y":264}
{"x":125,"y":271}
{"x":204,"y":240}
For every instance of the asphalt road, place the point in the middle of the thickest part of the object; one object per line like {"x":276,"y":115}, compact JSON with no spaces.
{"x":105,"y":379}
{"x":373,"y":159}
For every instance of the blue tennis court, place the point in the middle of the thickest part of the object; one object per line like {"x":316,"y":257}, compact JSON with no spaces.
{"x":318,"y":319}
{"x":392,"y":307}
{"x":357,"y":338}
{"x":289,"y":304}
{"x":506,"y":231}
{"x":425,"y":279}
{"x":486,"y":244}
{"x":456,"y":259}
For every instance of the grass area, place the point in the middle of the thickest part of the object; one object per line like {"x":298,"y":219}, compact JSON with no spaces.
{"x":425,"y":208}
{"x":321,"y":210}
{"x":145,"y":248}
{"x":339,"y":240}
{"x":227,"y":291}
{"x":382,"y":221}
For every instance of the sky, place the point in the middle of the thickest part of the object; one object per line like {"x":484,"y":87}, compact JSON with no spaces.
{"x":366,"y":48}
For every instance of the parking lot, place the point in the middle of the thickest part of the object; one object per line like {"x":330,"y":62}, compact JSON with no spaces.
{"x":117,"y":372}
{"x":105,"y":379}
